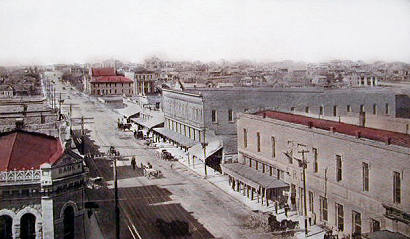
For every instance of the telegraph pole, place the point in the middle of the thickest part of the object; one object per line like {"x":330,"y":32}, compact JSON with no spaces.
{"x":204,"y":144}
{"x":304,"y":166}
{"x":116,"y":209}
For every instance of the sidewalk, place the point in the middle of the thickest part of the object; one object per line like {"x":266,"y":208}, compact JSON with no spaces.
{"x":222,"y":182}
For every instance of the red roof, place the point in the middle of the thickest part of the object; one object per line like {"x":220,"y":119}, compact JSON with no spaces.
{"x":20,"y":150}
{"x":108,"y":71}
{"x":111,"y":79}
{"x":395,"y":138}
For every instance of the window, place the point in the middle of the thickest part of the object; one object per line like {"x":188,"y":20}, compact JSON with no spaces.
{"x":361,"y":108}
{"x":396,"y":187}
{"x":258,"y":141}
{"x":338,"y":168}
{"x":292,"y":109}
{"x":311,"y":201}
{"x":214,"y":119}
{"x":365,"y":169}
{"x":387,"y":109}
{"x":315,"y":159}
{"x":335,"y":110}
{"x":374,"y":225}
{"x":323,"y":208}
{"x":357,"y":223}
{"x":273,"y":147}
{"x":245,"y":138}
{"x":349,"y":108}
{"x":374,"y":109}
{"x":339,"y":217}
{"x":307,"y":109}
{"x":230,"y":115}
{"x":321,"y":110}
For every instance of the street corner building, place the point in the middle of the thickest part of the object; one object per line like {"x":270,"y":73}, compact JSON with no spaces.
{"x":41,"y":187}
{"x":357,"y":178}
{"x":108,"y":82}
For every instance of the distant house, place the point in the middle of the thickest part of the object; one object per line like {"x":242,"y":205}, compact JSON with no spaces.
{"x":6,"y":91}
{"x":107,"y":82}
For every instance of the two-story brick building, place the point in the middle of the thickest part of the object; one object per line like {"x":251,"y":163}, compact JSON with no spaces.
{"x":357,"y":178}
{"x":107,"y":82}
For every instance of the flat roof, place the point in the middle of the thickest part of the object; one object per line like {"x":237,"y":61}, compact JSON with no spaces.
{"x":386,"y":136}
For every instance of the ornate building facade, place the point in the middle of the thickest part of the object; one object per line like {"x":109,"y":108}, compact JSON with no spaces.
{"x":41,"y":188}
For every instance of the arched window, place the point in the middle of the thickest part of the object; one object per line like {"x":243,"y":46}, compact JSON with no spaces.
{"x":6,"y":223}
{"x":69,"y":223}
{"x":28,"y":223}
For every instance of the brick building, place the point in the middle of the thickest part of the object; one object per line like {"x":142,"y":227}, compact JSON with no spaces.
{"x":107,"y":82}
{"x":357,"y":178}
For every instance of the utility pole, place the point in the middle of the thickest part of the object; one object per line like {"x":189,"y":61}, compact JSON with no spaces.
{"x":204,"y":144}
{"x":116,"y":209}
{"x":304,"y":166}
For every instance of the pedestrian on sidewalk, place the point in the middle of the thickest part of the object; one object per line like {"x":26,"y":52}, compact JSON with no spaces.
{"x":171,"y":165}
{"x":286,"y":209}
{"x":133,"y":163}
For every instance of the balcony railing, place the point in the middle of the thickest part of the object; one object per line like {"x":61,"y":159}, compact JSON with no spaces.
{"x":23,"y":176}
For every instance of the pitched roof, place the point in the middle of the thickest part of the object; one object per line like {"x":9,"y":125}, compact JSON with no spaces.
{"x":108,"y":71}
{"x":111,"y":79}
{"x":395,"y":138}
{"x":21,"y":150}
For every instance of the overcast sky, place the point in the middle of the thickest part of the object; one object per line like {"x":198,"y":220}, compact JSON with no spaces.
{"x":67,"y":31}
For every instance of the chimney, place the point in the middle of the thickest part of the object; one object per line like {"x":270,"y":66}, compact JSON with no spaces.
{"x":362,"y":119}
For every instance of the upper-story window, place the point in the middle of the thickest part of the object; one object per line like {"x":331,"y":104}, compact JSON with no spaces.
{"x":361,"y":108}
{"x":273,"y":147}
{"x":245,"y":138}
{"x":315,"y":160}
{"x":214,"y":116}
{"x":307,"y":109}
{"x":338,"y":168}
{"x":387,"y":109}
{"x":396,"y":187}
{"x":258,"y":141}
{"x":365,"y":172}
{"x":374,"y":109}
{"x":349,"y":108}
{"x":321,"y":110}
{"x":230,"y":115}
{"x":335,"y":110}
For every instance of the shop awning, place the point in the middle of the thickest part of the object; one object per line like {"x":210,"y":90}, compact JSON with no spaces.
{"x":149,"y":123}
{"x":252,"y":177}
{"x":172,"y":135}
{"x":130,"y":110}
{"x":211,"y":148}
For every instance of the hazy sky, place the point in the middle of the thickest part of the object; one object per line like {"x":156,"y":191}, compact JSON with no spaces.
{"x":66,"y":31}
